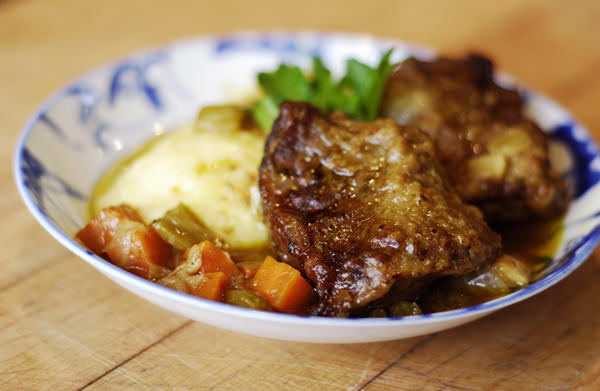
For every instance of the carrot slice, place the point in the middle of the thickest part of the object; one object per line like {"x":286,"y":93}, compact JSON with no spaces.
{"x":249,"y":268}
{"x":98,"y":233}
{"x":212,"y":259}
{"x":212,"y":287}
{"x":282,"y":286}
{"x":137,"y":248}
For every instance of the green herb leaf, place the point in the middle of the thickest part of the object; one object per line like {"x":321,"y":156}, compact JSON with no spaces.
{"x":369,"y":84}
{"x":323,"y":86}
{"x":346,"y":99}
{"x":377,"y":86}
{"x":286,"y":83}
{"x":265,"y":112}
{"x":361,"y":77}
{"x":358,"y":93}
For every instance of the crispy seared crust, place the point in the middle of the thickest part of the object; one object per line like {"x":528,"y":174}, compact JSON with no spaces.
{"x":495,"y":157}
{"x":362,"y":206}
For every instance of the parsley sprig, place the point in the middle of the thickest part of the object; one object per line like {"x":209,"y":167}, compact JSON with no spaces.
{"x":358,"y":93}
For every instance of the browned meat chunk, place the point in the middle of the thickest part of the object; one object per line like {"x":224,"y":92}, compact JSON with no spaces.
{"x":495,"y":157}
{"x":362,"y":207}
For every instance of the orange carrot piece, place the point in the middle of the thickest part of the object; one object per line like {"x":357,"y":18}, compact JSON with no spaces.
{"x":212,"y":287}
{"x":98,"y":233}
{"x":282,"y":286}
{"x":249,"y":268}
{"x":137,"y":248}
{"x":213,"y":259}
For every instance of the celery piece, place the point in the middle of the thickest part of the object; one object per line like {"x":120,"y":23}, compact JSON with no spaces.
{"x":405,"y":308}
{"x":224,"y":119}
{"x":378,"y":313}
{"x":182,"y":229}
{"x":245,"y":298}
{"x":504,"y":275}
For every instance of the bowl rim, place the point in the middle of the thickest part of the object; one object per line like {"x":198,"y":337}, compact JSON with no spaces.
{"x":578,"y":255}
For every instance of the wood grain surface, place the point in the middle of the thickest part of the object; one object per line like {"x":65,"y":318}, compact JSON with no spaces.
{"x":63,"y":326}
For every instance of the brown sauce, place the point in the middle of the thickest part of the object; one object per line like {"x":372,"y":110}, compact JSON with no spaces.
{"x":534,"y":244}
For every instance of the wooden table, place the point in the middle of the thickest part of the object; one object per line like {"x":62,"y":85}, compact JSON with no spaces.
{"x":63,"y":326}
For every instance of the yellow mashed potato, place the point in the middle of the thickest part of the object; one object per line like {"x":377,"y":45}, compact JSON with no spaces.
{"x":213,"y":171}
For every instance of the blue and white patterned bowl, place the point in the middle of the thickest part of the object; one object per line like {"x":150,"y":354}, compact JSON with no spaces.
{"x":85,"y":127}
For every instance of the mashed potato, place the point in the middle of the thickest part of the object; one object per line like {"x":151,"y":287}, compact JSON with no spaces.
{"x":213,"y":171}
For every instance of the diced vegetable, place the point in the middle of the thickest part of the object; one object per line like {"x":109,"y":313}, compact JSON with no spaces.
{"x":98,"y":233}
{"x":211,"y":286}
{"x":404,"y":308}
{"x":201,"y":272}
{"x":282,"y":286}
{"x":490,"y":166}
{"x":511,"y":142}
{"x":224,"y":118}
{"x":246,"y":298}
{"x":514,"y":272}
{"x":118,"y":232}
{"x":409,"y":104}
{"x":249,"y":268}
{"x":178,"y":281}
{"x":449,"y":295}
{"x":181,"y":228}
{"x":487,"y":283}
{"x":505,"y":274}
{"x":257,"y":253}
{"x":209,"y":259}
{"x":541,"y":262}
{"x":378,"y":313}
{"x":138,"y":249}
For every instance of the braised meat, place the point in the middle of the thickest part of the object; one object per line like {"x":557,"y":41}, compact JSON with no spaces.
{"x":362,"y":208}
{"x":495,"y":157}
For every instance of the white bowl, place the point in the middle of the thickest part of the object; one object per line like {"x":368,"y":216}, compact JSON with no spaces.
{"x":86,"y":126}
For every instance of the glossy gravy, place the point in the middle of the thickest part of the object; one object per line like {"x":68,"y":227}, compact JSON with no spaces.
{"x":534,"y":244}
